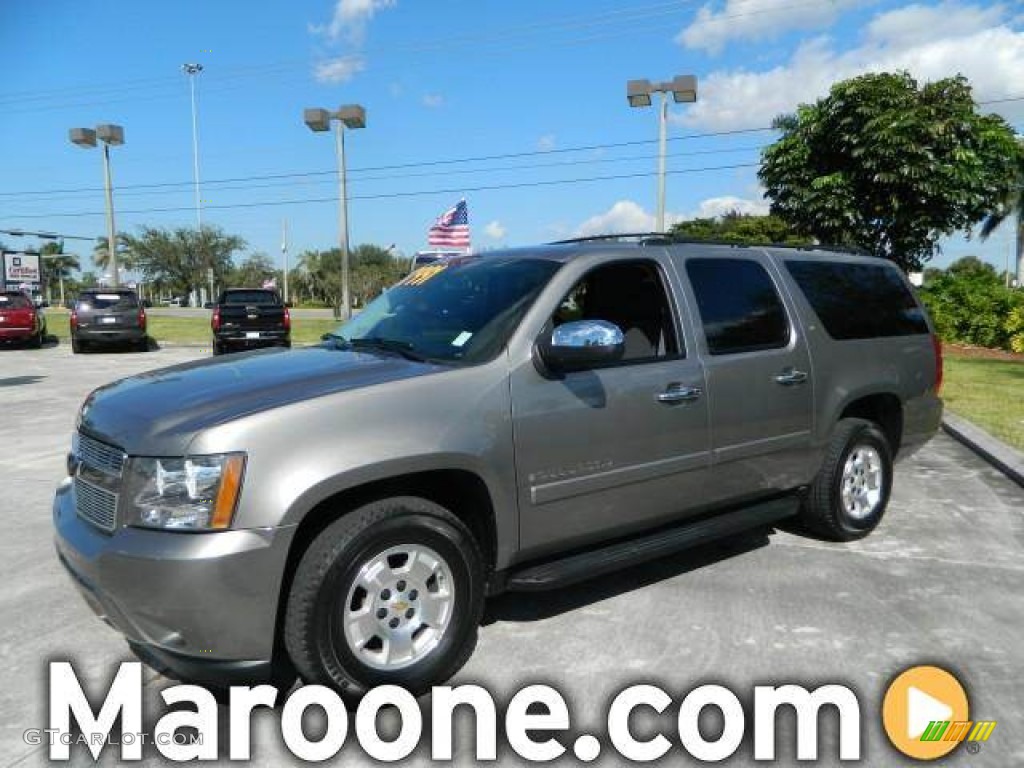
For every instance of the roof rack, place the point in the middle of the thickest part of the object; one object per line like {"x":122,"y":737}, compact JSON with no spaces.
{"x":664,"y":238}
{"x":643,"y":238}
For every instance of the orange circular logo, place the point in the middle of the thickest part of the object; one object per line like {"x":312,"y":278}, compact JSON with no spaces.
{"x":924,"y":712}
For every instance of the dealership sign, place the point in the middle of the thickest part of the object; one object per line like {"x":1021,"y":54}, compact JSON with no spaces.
{"x":22,"y":269}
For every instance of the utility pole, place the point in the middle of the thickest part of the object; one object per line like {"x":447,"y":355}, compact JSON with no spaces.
{"x":284,"y":252}
{"x":192,"y":71}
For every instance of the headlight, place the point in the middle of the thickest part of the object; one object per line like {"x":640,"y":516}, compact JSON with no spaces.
{"x":193,"y":493}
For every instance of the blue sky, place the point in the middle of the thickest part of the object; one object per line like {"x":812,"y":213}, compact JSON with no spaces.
{"x":499,"y":103}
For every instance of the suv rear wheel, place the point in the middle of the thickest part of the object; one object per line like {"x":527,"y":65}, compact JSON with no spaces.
{"x":848,"y":496}
{"x":391,"y":593}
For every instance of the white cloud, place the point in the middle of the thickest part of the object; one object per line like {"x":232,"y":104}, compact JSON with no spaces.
{"x":339,"y":70}
{"x":395,"y":89}
{"x":757,"y":20}
{"x":432,"y":100}
{"x":714,"y":207}
{"x":350,"y":19}
{"x":627,"y":216}
{"x":623,"y":217}
{"x":495,"y":230}
{"x":546,"y":142}
{"x":929,"y":41}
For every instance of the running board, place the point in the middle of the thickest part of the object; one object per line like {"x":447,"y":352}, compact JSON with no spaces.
{"x":585,"y":565}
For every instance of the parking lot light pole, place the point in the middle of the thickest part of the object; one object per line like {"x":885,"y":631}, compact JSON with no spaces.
{"x":638,"y":92}
{"x":109,"y":135}
{"x":350,"y":116}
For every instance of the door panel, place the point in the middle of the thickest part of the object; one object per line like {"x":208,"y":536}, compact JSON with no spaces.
{"x":598,"y":454}
{"x":758,"y":369}
{"x":611,"y":450}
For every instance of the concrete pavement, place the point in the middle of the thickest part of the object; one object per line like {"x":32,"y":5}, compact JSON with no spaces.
{"x":940,"y":582}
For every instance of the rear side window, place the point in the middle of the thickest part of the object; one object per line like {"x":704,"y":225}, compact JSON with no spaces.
{"x":14,"y":301}
{"x":250,"y":297}
{"x":108,"y":301}
{"x":858,"y":301}
{"x":739,"y":306}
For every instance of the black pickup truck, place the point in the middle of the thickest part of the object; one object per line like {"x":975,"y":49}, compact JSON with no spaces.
{"x":245,"y":318}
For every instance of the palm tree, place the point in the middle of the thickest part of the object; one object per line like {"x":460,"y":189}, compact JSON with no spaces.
{"x":101,"y":253}
{"x":1011,"y":207}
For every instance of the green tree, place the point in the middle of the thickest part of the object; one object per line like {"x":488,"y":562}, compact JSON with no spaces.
{"x":969,"y":304}
{"x":743,"y":228}
{"x":254,"y":271}
{"x":888,"y":166}
{"x":101,"y":253}
{"x":318,"y":275}
{"x":180,"y":258}
{"x":1011,"y":207}
{"x":57,"y":267}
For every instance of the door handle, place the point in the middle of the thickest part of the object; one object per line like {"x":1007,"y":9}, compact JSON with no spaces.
{"x":789,"y":376}
{"x":677,"y":393}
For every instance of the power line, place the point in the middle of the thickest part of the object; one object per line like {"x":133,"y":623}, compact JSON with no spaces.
{"x":392,"y":195}
{"x":402,"y":166}
{"x":231,"y":186}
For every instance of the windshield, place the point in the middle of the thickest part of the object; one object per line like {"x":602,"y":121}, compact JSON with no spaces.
{"x":454,"y":311}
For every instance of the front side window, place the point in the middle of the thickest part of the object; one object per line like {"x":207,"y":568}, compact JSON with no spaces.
{"x":739,"y":306}
{"x":456,"y":311}
{"x":632,"y":296}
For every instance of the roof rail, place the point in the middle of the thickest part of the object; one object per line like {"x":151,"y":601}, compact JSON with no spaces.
{"x":644,"y":238}
{"x":665,"y":238}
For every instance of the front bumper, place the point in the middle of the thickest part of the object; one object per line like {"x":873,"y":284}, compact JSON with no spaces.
{"x":197,"y":606}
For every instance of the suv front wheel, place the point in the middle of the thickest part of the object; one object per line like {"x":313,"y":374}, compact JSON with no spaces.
{"x":848,"y":496}
{"x":391,"y":593}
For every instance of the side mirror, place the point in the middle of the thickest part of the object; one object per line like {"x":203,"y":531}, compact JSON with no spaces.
{"x":582,"y":344}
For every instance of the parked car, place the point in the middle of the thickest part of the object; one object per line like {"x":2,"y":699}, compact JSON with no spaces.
{"x":21,"y":320}
{"x":246,"y":318}
{"x":517,"y":422}
{"x":105,"y":317}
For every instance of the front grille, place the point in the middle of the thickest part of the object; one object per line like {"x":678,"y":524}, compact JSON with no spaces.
{"x":105,"y":458}
{"x":95,"y":504}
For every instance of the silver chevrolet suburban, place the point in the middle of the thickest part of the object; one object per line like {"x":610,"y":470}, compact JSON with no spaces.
{"x":519,"y":420}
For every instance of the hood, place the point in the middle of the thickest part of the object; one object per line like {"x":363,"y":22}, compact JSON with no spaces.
{"x":158,"y":413}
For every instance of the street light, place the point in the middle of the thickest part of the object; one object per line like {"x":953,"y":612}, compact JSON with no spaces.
{"x":350,"y":116}
{"x":110,"y":135}
{"x":638,"y":92}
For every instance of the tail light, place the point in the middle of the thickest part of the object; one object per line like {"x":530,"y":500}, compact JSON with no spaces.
{"x":287,"y":319}
{"x":74,"y":320}
{"x":142,"y":318}
{"x":215,"y":320}
{"x":937,"y":346}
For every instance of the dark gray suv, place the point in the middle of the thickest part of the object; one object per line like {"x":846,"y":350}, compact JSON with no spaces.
{"x":516,"y":421}
{"x":105,"y":317}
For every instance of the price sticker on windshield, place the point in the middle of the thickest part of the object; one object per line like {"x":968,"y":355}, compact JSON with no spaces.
{"x":421,"y":275}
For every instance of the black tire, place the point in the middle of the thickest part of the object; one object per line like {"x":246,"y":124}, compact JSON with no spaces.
{"x":142,"y":345}
{"x":38,"y":339}
{"x":76,"y":346}
{"x":824,"y":511}
{"x":217,"y":349}
{"x":314,"y":633}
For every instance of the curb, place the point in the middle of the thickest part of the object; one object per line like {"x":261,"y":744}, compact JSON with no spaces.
{"x":1003,"y":457}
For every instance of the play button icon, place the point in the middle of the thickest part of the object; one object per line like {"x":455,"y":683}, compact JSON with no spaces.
{"x":922,"y":709}
{"x":917,"y":698}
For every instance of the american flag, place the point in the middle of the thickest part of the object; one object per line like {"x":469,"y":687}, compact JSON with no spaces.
{"x":451,"y":229}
